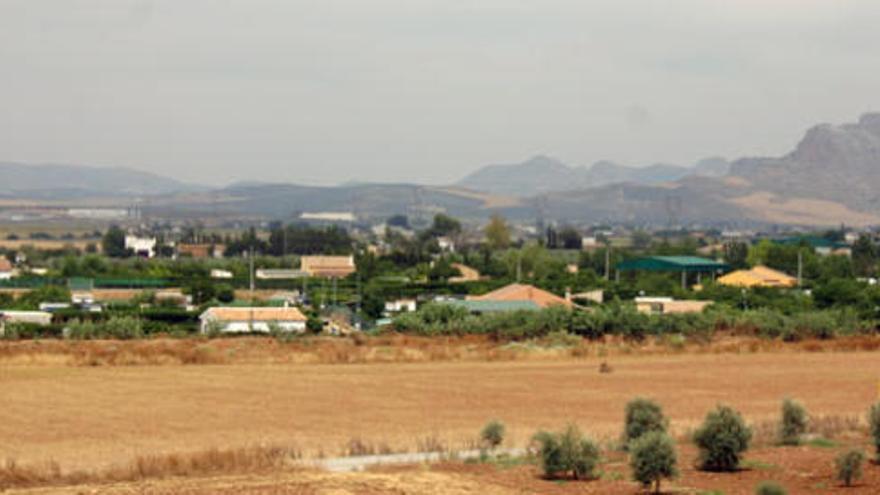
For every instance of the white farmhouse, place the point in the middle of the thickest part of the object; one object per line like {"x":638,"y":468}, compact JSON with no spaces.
{"x":252,"y":319}
{"x":400,"y":306}
{"x":142,"y":246}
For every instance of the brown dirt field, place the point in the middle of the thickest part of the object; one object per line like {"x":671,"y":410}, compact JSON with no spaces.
{"x":772,"y":208}
{"x":103,"y":295}
{"x":49,"y":244}
{"x":89,"y":417}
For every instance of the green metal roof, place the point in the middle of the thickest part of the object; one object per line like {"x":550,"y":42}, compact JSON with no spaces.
{"x":495,"y":306}
{"x":673,"y":264}
{"x":80,"y":284}
{"x":812,"y":241}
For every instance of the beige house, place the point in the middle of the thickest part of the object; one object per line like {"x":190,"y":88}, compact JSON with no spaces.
{"x":253,"y":319}
{"x":328,"y":266}
{"x":668,"y":305}
{"x":759,"y":276}
{"x":33,"y":317}
{"x":524,"y":292}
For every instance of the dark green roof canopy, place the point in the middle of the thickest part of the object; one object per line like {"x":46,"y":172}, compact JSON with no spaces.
{"x":812,"y":241}
{"x":673,"y":264}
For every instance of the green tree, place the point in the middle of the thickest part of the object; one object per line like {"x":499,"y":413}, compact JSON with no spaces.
{"x":874,"y":423}
{"x":839,"y":292}
{"x":314,"y":324}
{"x":442,"y":271}
{"x":492,"y":434}
{"x":793,"y":424}
{"x":444,"y":225}
{"x":113,"y":243}
{"x":201,"y":289}
{"x":736,"y":254}
{"x":849,"y":466}
{"x":225,"y":293}
{"x":864,"y":257}
{"x":722,"y":439}
{"x":643,"y":416}
{"x":373,"y":304}
{"x":497,"y":233}
{"x":653,"y":458}
{"x":49,"y":293}
{"x":567,"y":453}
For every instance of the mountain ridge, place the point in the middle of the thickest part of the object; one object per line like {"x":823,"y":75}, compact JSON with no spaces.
{"x":66,"y":181}
{"x":541,"y":174}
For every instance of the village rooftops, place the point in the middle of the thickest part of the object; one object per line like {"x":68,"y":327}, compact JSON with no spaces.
{"x":524,"y":292}
{"x":256,"y":313}
{"x":759,"y":276}
{"x":252,"y":319}
{"x":328,"y":266}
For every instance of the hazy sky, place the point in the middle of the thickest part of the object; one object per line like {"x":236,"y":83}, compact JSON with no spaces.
{"x":325,"y":91}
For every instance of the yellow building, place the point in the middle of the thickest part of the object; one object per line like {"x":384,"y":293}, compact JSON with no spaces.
{"x":759,"y":276}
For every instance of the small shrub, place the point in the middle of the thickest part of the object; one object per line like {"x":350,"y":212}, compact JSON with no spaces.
{"x":567,"y":453}
{"x":874,"y":423}
{"x":794,"y":422}
{"x":652,"y":458}
{"x":642,"y":416}
{"x":770,"y":488}
{"x":722,"y":439}
{"x":493,"y":434}
{"x":849,"y":466}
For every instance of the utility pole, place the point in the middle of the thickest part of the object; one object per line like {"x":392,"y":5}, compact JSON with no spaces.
{"x":358,"y":307}
{"x":607,"y":260}
{"x":519,"y":267}
{"x":800,"y":274}
{"x":251,"y":272}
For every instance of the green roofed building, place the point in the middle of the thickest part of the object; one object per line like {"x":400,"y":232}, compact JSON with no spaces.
{"x":677,"y":264}
{"x":820,"y":245}
{"x":480,"y":307}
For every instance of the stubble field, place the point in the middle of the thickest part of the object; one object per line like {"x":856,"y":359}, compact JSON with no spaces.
{"x":95,"y":417}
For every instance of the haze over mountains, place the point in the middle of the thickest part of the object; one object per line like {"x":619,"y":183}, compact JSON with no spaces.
{"x":541,"y":174}
{"x":52,"y":181}
{"x":831,"y":177}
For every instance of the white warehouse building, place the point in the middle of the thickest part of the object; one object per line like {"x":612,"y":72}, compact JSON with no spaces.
{"x":253,"y":319}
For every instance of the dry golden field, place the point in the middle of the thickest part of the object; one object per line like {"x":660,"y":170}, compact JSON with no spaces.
{"x":89,"y":417}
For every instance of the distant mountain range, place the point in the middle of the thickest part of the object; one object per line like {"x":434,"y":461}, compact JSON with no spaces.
{"x":51,"y":181}
{"x":541,"y":174}
{"x":831,"y":177}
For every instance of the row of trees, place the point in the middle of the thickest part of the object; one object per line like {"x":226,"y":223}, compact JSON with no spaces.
{"x":722,"y":440}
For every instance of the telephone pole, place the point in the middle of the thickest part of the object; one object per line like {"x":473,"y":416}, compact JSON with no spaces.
{"x":607,"y":260}
{"x":800,"y":273}
{"x":251,"y":272}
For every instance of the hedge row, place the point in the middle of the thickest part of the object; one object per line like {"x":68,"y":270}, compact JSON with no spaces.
{"x":440,"y":319}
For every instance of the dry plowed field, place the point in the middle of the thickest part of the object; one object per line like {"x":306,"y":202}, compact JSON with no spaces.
{"x":92,"y":417}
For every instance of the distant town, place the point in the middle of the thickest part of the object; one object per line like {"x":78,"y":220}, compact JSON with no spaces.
{"x":330,"y":272}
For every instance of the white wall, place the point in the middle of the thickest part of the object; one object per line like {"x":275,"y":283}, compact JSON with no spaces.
{"x":258,"y":326}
